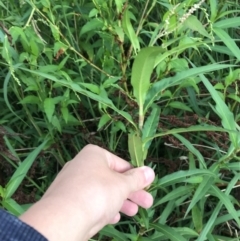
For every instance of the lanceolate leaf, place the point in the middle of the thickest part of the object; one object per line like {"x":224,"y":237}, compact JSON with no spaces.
{"x":141,"y":73}
{"x":110,"y":231}
{"x":135,"y":149}
{"x":193,"y":23}
{"x":49,"y":107}
{"x":210,"y":223}
{"x":168,"y":232}
{"x":228,"y":23}
{"x":197,"y":218}
{"x":175,"y":194}
{"x":192,"y":149}
{"x":128,"y":29}
{"x":180,"y":176}
{"x":201,"y":191}
{"x":227,"y":117}
{"x":226,"y":202}
{"x":189,"y":129}
{"x":150,"y":126}
{"x":154,"y":92}
{"x":229,"y":42}
{"x":21,"y":171}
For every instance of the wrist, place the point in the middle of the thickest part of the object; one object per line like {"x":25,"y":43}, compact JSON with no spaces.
{"x":57,"y":220}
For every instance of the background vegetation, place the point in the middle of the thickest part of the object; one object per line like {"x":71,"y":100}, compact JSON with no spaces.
{"x":157,"y":78}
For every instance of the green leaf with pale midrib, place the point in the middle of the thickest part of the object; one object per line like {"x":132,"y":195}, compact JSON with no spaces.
{"x":21,"y":171}
{"x":228,"y":41}
{"x":189,"y":129}
{"x":165,"y":83}
{"x":150,"y":126}
{"x":174,"y":194}
{"x":179,"y":176}
{"x":227,"y":117}
{"x":226,"y":202}
{"x":169,"y":233}
{"x":141,"y":73}
{"x":227,"y":23}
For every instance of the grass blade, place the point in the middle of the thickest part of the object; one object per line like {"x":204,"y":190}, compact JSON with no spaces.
{"x":228,"y":23}
{"x":156,"y":89}
{"x":21,"y":171}
{"x":150,"y":126}
{"x":201,"y":191}
{"x":189,"y":129}
{"x":175,"y":194}
{"x":227,"y":117}
{"x":192,"y":149}
{"x":180,"y":176}
{"x":169,"y":233}
{"x":224,"y":199}
{"x":228,"y":41}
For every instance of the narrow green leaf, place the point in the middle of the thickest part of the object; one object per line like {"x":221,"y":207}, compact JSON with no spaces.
{"x":21,"y":171}
{"x":103,"y":121}
{"x":157,"y":88}
{"x":226,"y":202}
{"x":189,"y":129}
{"x":150,"y":126}
{"x":234,"y":166}
{"x":30,"y":99}
{"x":228,"y":41}
{"x":193,"y":23}
{"x":180,"y":176}
{"x":168,"y":232}
{"x":12,"y":206}
{"x":225,"y":218}
{"x":56,"y":123}
{"x":227,"y":117}
{"x":179,"y":105}
{"x":5,"y":95}
{"x":141,"y":73}
{"x":135,"y":149}
{"x":94,"y":24}
{"x":175,"y":194}
{"x":92,"y":87}
{"x":227,"y":23}
{"x":49,"y":108}
{"x":192,"y":149}
{"x":197,"y":218}
{"x":214,"y":10}
{"x":201,"y":191}
{"x":211,"y":220}
{"x":128,"y":29}
{"x":65,"y":113}
{"x":111,"y":232}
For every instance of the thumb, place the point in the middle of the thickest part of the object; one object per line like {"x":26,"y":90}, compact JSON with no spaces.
{"x":139,"y":178}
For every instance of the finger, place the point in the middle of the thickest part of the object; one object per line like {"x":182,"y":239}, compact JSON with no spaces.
{"x":116,"y":163}
{"x":93,"y":152}
{"x":138,"y":178}
{"x":129,"y":208}
{"x":141,"y":198}
{"x":116,"y":219}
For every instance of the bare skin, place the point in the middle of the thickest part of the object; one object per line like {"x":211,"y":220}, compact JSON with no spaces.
{"x":89,"y":193}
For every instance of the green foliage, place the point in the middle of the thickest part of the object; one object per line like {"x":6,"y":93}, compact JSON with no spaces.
{"x":159,"y":78}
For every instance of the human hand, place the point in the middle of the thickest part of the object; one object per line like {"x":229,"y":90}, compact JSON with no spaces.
{"x":89,"y":193}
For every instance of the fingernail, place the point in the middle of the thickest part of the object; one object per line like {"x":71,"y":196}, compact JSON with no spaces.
{"x":149,"y":174}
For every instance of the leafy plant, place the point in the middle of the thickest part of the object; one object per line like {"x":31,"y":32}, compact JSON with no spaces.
{"x":159,"y":78}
